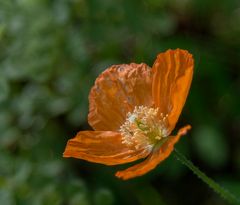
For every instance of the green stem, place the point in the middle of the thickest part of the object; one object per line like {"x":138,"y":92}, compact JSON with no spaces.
{"x":216,"y":187}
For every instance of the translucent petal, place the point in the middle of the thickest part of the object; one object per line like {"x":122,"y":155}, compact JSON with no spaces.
{"x":116,"y":92}
{"x":103,"y":147}
{"x":172,"y":76}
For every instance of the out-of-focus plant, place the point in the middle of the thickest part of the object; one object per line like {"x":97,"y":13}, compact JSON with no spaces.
{"x":50,"y":52}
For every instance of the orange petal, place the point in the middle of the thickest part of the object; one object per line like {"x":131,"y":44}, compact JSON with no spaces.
{"x":102,"y":147}
{"x":158,"y":155}
{"x":172,"y":76}
{"x":115,"y":93}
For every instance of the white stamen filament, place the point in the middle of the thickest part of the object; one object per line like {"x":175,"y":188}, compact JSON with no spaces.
{"x":144,"y":127}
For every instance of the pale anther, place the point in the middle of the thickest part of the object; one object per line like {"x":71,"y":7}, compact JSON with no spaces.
{"x":144,"y":127}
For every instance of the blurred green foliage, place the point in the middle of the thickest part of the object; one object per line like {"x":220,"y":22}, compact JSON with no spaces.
{"x":50,"y":54}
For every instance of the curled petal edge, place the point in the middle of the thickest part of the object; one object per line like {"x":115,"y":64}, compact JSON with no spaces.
{"x":157,"y":156}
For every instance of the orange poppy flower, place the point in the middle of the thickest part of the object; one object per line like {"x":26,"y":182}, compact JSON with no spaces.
{"x":133,"y":110}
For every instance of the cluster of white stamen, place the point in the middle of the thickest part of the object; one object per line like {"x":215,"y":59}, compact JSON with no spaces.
{"x":144,"y":127}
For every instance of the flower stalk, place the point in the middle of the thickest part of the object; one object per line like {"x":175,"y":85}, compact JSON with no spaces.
{"x":210,"y":182}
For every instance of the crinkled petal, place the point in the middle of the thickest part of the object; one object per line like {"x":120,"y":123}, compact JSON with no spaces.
{"x":172,"y":76}
{"x":103,"y":147}
{"x":115,"y":93}
{"x":157,"y":156}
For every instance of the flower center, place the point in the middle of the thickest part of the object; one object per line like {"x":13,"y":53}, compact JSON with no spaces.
{"x":144,"y":127}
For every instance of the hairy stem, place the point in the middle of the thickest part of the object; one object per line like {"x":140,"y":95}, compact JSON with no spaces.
{"x":210,"y":182}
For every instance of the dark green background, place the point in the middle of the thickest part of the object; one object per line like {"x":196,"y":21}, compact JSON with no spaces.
{"x":50,"y":54}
